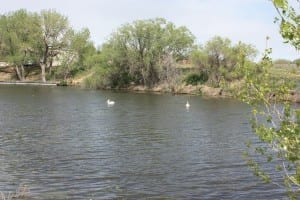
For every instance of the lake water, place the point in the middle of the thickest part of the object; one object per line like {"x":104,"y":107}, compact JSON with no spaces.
{"x":66,"y":143}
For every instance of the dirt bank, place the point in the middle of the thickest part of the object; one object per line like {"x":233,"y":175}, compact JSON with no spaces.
{"x":8,"y":76}
{"x":181,"y":89}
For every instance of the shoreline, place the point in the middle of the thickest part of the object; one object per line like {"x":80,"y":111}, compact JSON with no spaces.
{"x":28,"y":83}
{"x":197,"y":90}
{"x":182,"y":89}
{"x":200,"y":90}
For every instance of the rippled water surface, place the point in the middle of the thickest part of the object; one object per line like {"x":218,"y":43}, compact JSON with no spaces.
{"x":66,"y":143}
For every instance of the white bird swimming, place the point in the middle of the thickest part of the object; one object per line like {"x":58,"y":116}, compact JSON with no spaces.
{"x":110,"y":103}
{"x":187,"y":105}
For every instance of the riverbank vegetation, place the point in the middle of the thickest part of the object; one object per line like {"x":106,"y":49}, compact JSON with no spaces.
{"x":45,"y":40}
{"x":277,"y":124}
{"x":151,"y":54}
{"x":143,"y":53}
{"x":22,"y":192}
{"x":156,"y":55}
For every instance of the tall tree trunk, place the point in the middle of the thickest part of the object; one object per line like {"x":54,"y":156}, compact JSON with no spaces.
{"x":50,"y":66}
{"x":20,"y":73}
{"x":44,"y":63}
{"x":43,"y":68}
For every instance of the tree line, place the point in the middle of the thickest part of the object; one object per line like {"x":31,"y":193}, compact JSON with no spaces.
{"x":147,"y":52}
{"x":144,"y":52}
{"x":43,"y":39}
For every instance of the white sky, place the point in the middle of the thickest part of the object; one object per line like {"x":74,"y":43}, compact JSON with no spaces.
{"x":249,"y":21}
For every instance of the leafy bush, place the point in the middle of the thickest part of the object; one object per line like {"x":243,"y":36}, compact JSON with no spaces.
{"x":297,"y":62}
{"x":62,"y":83}
{"x":195,"y":79}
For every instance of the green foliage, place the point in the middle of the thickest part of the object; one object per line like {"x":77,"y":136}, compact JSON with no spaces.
{"x":55,"y":39}
{"x":74,"y":59}
{"x":18,"y":43}
{"x":289,"y":20}
{"x":100,"y":79}
{"x":277,"y":124}
{"x":195,"y":79}
{"x":220,"y":60}
{"x":297,"y":62}
{"x":138,"y":52}
{"x":45,"y":39}
{"x":62,"y":83}
{"x":55,"y":29}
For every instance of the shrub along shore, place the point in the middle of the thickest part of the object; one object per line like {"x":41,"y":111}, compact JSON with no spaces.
{"x":152,"y":55}
{"x":33,"y":78}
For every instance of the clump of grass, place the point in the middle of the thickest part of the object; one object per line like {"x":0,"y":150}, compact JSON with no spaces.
{"x":22,"y":192}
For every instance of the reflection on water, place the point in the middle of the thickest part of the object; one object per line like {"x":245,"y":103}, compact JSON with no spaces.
{"x":67,"y":143}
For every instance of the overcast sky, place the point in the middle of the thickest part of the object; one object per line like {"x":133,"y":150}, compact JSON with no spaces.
{"x":249,"y":21}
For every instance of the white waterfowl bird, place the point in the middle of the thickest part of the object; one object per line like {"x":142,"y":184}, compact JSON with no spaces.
{"x":110,"y":103}
{"x":187,"y":105}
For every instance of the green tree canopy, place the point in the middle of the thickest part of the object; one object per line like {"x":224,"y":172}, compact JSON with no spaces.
{"x":56,"y":34}
{"x":136,"y":52}
{"x":18,"y":39}
{"x":219,"y":59}
{"x":43,"y":38}
{"x":74,"y":57}
{"x":297,"y":62}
